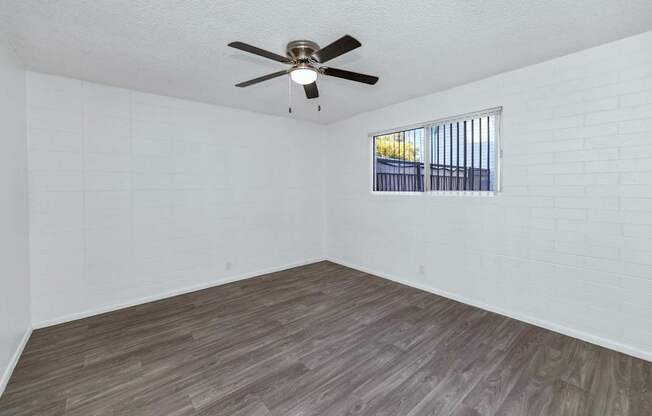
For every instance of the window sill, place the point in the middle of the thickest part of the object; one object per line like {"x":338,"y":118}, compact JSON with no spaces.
{"x":463,"y":194}
{"x":396,"y":193}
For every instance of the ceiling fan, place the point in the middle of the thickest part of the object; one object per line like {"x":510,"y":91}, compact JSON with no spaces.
{"x":306,"y":58}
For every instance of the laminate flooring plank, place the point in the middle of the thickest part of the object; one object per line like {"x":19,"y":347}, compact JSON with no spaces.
{"x":534,"y":391}
{"x":490,"y":392}
{"x":641,"y":388}
{"x":568,"y":399}
{"x":338,"y":387}
{"x":610,"y":390}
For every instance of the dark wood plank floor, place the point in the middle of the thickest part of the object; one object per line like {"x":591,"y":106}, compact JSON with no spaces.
{"x":318,"y":340}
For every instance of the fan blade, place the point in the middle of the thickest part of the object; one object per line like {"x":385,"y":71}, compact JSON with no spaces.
{"x":341,"y":46}
{"x":352,"y":76}
{"x":261,"y":79}
{"x":311,"y":90}
{"x":260,"y":52}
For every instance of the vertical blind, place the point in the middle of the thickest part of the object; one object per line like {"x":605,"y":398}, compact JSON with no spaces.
{"x":460,"y":154}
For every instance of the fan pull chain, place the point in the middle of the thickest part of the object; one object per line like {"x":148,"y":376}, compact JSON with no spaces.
{"x":319,"y":96}
{"x":289,"y":95}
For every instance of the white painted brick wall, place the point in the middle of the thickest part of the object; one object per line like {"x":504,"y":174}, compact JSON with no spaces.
{"x":133,"y":195}
{"x":568,"y":242}
{"x":15,"y":322}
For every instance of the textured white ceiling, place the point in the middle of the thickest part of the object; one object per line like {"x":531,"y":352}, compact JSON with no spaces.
{"x":178,"y":48}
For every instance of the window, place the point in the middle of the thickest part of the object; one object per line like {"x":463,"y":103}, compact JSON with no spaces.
{"x":456,"y":154}
{"x":398,"y":161}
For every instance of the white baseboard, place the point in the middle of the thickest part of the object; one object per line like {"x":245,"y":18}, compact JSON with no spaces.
{"x":584,"y":336}
{"x":14,"y":360}
{"x":168,"y":294}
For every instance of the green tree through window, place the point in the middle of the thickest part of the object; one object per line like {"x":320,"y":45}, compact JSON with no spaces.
{"x":393,"y":146}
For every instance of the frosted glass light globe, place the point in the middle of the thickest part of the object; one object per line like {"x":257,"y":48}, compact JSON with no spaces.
{"x":303,"y":76}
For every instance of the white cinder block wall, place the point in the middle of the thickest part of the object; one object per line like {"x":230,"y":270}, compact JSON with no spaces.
{"x":135,"y":196}
{"x":15,"y":323}
{"x":568,"y":243}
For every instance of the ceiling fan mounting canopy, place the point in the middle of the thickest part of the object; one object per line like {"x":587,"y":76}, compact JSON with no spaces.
{"x":306,"y":58}
{"x":301,"y":50}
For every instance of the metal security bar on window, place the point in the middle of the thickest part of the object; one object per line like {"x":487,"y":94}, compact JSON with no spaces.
{"x":463,"y":154}
{"x":398,"y":161}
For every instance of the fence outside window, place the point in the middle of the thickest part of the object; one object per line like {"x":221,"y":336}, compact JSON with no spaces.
{"x":398,"y":161}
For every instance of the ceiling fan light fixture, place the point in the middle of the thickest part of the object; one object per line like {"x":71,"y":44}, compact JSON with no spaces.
{"x":306,"y":59}
{"x":303,"y":75}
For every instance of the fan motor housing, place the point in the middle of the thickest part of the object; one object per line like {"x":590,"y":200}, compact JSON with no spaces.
{"x":301,"y":50}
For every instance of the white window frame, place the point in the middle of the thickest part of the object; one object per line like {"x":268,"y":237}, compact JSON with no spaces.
{"x":427,"y":126}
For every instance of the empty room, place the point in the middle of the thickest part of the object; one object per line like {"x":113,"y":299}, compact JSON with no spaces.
{"x":334,"y":208}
